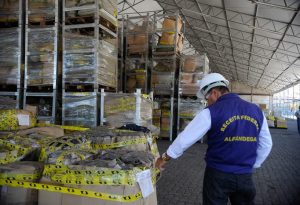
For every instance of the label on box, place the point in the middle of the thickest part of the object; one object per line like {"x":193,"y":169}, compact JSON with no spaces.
{"x":145,"y":182}
{"x":23,"y":119}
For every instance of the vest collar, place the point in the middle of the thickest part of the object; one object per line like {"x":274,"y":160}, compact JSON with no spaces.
{"x":227,"y":96}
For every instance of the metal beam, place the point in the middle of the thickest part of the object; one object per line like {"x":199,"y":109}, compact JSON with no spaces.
{"x":273,"y":5}
{"x":283,"y":72}
{"x":253,"y":33}
{"x":191,"y":27}
{"x":261,"y":46}
{"x":229,"y":33}
{"x":250,"y":26}
{"x":130,"y":6}
{"x":287,"y":28}
{"x":243,"y":51}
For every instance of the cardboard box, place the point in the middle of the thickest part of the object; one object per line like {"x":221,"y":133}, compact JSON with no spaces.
{"x":169,"y":24}
{"x":67,"y":199}
{"x":167,"y":39}
{"x":31,"y":108}
{"x":263,"y":106}
{"x":120,"y":190}
{"x":189,"y":65}
{"x":281,"y":123}
{"x":47,"y":197}
{"x":187,"y":78}
{"x":15,"y":195}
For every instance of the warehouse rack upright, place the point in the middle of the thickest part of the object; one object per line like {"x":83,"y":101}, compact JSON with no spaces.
{"x":41,"y":58}
{"x":138,"y":32}
{"x":89,"y":36}
{"x":193,"y":69}
{"x":167,"y":44}
{"x":11,"y":55}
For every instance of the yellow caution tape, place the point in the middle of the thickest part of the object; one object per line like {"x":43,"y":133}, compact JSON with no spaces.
{"x":73,"y":191}
{"x":65,"y":127}
{"x":16,"y":180}
{"x":51,"y":169}
{"x":120,"y":144}
{"x":20,"y":177}
{"x":12,"y":155}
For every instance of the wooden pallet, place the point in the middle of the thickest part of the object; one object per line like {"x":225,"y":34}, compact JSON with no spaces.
{"x":78,"y":87}
{"x":41,"y":21}
{"x":40,"y":88}
{"x":80,"y":19}
{"x":8,"y":87}
{"x":9,"y":23}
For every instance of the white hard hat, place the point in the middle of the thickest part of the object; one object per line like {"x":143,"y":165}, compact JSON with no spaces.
{"x":210,"y":81}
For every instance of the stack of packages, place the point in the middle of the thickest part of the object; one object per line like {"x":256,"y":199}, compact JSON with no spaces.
{"x":83,"y":65}
{"x":108,"y":5}
{"x":41,"y":64}
{"x":123,"y":109}
{"x":41,"y":17}
{"x":139,"y":36}
{"x":9,"y":49}
{"x":165,"y":117}
{"x":192,"y":72}
{"x":188,"y":110}
{"x":170,"y":33}
{"x":117,"y":163}
{"x":9,"y":6}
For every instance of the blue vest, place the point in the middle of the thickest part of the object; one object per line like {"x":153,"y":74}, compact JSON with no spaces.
{"x":233,"y":137}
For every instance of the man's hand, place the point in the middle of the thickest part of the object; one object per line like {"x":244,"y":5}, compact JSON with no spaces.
{"x":160,"y":163}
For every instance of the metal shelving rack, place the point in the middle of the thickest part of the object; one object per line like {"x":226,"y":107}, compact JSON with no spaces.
{"x":166,"y":59}
{"x":138,"y":33}
{"x":11,"y":37}
{"x":188,"y":103}
{"x":90,"y":59}
{"x":41,"y":58}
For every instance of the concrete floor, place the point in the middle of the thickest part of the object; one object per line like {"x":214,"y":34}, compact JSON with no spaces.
{"x":277,"y":181}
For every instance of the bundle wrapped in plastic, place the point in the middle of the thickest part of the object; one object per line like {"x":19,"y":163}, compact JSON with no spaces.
{"x":10,"y":5}
{"x":41,"y":41}
{"x":41,"y":4}
{"x":107,"y":70}
{"x":120,"y":109}
{"x":68,"y":156}
{"x":80,"y":111}
{"x":190,"y":108}
{"x":109,"y":6}
{"x":106,"y":138}
{"x":15,"y":119}
{"x":62,"y":144}
{"x":7,"y":102}
{"x":75,"y":41}
{"x":9,"y":41}
{"x":8,"y":154}
{"x":120,"y":159}
{"x":15,"y":195}
{"x":79,"y":63}
{"x":14,"y":148}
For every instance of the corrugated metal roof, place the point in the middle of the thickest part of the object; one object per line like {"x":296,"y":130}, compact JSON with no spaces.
{"x":256,"y":42}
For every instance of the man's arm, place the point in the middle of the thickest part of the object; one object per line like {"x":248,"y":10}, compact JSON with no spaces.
{"x":195,"y":130}
{"x":264,"y":144}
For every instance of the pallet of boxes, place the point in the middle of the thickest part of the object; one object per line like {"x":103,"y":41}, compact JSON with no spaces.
{"x":45,"y":166}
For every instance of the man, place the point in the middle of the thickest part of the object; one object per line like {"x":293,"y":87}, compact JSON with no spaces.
{"x":297,"y":114}
{"x":238,"y":141}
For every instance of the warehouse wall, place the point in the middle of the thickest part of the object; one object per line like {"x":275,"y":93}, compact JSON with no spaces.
{"x":257,"y":96}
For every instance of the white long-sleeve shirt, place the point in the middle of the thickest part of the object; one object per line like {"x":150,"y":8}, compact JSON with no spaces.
{"x":199,"y":126}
